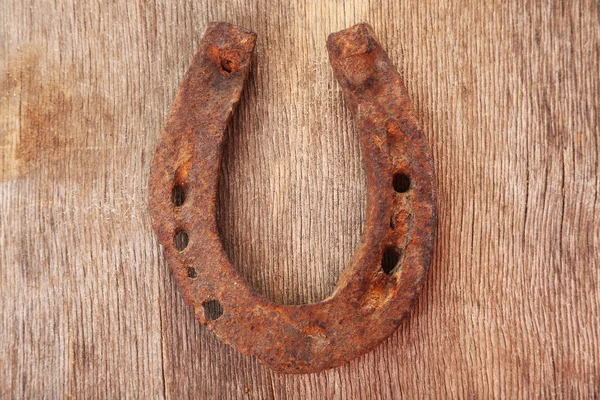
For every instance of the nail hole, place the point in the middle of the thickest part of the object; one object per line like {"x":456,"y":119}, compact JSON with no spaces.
{"x":390,"y":259}
{"x":212,"y":310}
{"x":227,"y":65}
{"x":191,"y":272}
{"x":178,"y":195}
{"x":401,"y":182}
{"x":181,"y":240}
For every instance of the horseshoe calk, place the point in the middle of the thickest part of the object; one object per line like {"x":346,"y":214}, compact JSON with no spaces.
{"x":386,"y":270}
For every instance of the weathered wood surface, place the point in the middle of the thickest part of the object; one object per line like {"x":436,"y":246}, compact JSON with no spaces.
{"x":508,"y":94}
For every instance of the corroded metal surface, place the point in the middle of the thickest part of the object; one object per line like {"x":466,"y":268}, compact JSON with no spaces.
{"x":386,"y":271}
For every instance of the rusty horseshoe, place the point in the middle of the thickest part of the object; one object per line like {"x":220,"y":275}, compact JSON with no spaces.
{"x":386,"y":271}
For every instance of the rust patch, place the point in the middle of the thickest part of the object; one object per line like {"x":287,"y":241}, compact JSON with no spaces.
{"x":32,"y":109}
{"x":42,"y":117}
{"x":386,"y":271}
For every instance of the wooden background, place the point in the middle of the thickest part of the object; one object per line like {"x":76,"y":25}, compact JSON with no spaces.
{"x":508,"y":94}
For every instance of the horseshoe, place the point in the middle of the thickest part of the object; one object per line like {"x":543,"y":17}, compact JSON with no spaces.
{"x":386,"y":271}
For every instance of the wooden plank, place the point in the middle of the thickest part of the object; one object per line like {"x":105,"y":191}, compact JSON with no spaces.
{"x":508,"y":95}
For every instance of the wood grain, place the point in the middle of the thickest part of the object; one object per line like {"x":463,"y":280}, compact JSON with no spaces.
{"x":508,"y":94}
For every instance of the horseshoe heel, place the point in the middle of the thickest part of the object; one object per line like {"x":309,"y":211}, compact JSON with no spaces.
{"x":386,"y":271}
